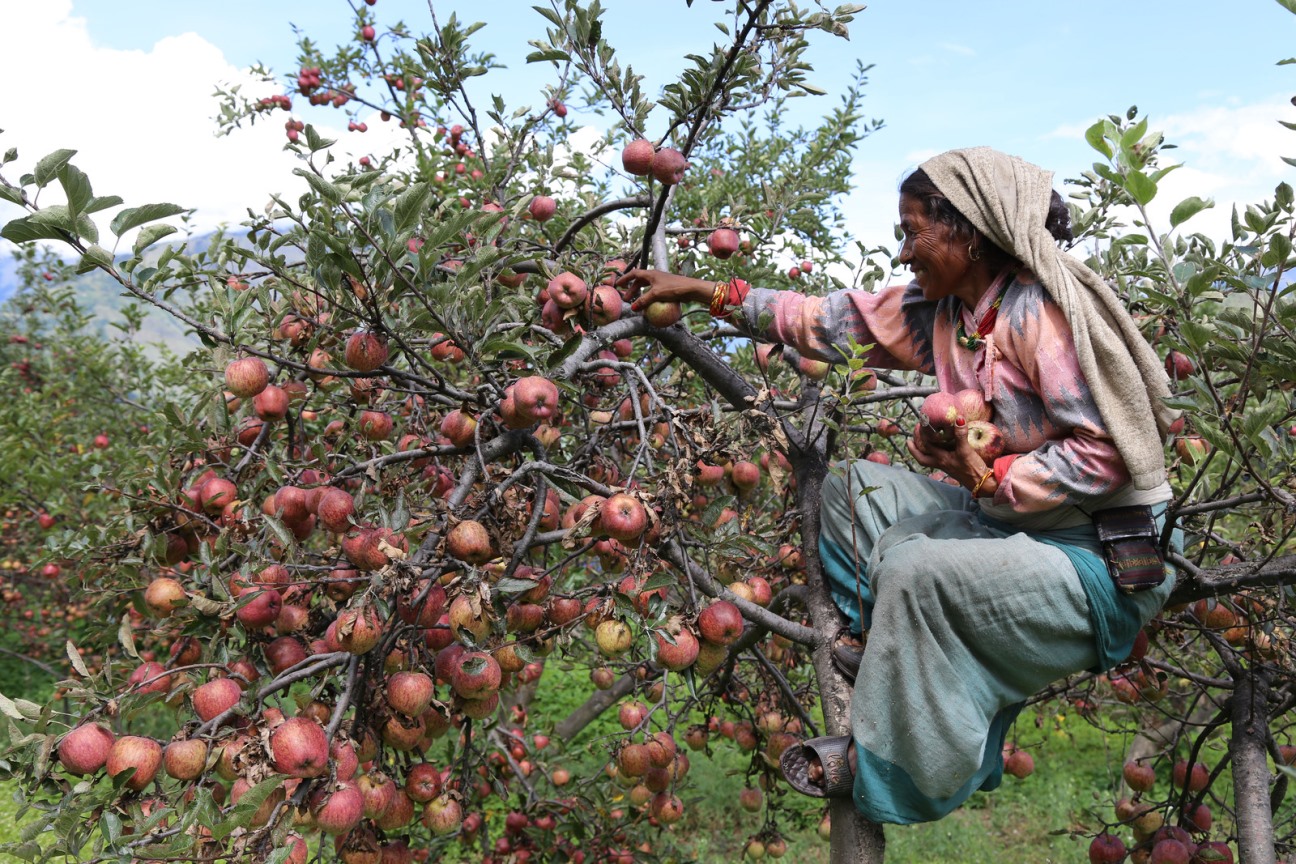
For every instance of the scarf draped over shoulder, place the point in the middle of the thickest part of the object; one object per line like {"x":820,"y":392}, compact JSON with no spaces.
{"x":1007,"y":199}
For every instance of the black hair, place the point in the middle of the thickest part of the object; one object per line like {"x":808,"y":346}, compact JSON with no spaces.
{"x":936,"y":206}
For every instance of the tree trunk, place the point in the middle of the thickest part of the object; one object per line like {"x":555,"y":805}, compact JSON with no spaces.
{"x":854,"y":839}
{"x":1250,"y":711}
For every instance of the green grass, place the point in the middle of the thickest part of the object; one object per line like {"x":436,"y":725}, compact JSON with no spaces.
{"x":1073,"y":788}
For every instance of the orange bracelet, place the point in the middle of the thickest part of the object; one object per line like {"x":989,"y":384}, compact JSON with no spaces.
{"x":984,"y":477}
{"x":718,"y":299}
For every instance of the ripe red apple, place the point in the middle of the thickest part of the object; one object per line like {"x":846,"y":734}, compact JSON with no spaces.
{"x":85,"y":749}
{"x":335,"y":507}
{"x":720,"y":623}
{"x":623,"y":518}
{"x":662,"y":313}
{"x":605,"y":305}
{"x":423,"y":782}
{"x":567,"y":290}
{"x":1192,"y":448}
{"x":215,"y":697}
{"x":1138,"y":776}
{"x":246,"y":377}
{"x":535,"y":398}
{"x":270,"y":404}
{"x":807,"y":266}
{"x":986,"y":439}
{"x":469,"y":541}
{"x":1196,"y":778}
{"x":365,"y":351}
{"x":164,"y":595}
{"x":375,"y":425}
{"x":185,"y":758}
{"x":1179,"y":365}
{"x":668,"y":166}
{"x":637,"y":157}
{"x":260,"y":607}
{"x":971,"y":405}
{"x":1106,"y":849}
{"x":367,"y":33}
{"x":410,"y":693}
{"x":134,"y":751}
{"x":443,"y":815}
{"x":745,"y":475}
{"x":939,"y":412}
{"x":1019,"y":764}
{"x":299,"y":748}
{"x":459,"y":427}
{"x":337,"y":808}
{"x":816,"y":370}
{"x":542,"y":208}
{"x":679,"y":654}
{"x":358,"y":630}
{"x":476,"y":676}
{"x":723,"y":242}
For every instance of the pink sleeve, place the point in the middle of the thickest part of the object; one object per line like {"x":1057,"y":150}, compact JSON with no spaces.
{"x":1078,"y":459}
{"x":896,"y":321}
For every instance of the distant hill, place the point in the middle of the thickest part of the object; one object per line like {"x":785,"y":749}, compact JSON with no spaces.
{"x":103,"y":298}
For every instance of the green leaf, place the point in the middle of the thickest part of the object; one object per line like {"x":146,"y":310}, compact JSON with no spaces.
{"x":1289,"y":160}
{"x":1289,"y":5}
{"x":133,"y":217}
{"x":315,"y":141}
{"x":1094,"y":135}
{"x":150,"y":234}
{"x":409,"y":206}
{"x":10,"y":155}
{"x":550,"y":55}
{"x":1140,"y":187}
{"x":1188,"y":208}
{"x":76,"y":185}
{"x":126,"y":636}
{"x":97,"y":204}
{"x":813,"y":90}
{"x":245,"y":809}
{"x":12,"y":194}
{"x":95,"y":257}
{"x":77,"y":663}
{"x":323,"y":188}
{"x":26,"y":229}
{"x":47,"y":169}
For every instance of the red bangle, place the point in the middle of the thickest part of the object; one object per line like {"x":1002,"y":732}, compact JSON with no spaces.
{"x":723,"y":301}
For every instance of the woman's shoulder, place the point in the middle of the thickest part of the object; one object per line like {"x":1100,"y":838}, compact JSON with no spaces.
{"x":1025,"y":296}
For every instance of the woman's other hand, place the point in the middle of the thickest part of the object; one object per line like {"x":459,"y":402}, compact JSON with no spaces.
{"x":663,"y":287}
{"x":960,"y":462}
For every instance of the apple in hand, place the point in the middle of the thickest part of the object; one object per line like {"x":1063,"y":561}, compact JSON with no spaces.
{"x":986,"y":439}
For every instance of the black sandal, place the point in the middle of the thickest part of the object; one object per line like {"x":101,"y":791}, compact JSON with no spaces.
{"x":846,"y":659}
{"x":838,"y":781}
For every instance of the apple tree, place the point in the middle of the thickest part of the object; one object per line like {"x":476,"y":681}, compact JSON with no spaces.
{"x":431,"y":463}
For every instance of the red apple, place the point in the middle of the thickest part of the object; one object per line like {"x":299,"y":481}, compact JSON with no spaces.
{"x":85,"y":749}
{"x":720,"y":623}
{"x":246,"y":377}
{"x":723,"y":242}
{"x":542,"y":208}
{"x":668,"y":166}
{"x":637,"y":157}
{"x":299,"y":748}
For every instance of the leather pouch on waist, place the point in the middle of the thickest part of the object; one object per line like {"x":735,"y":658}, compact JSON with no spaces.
{"x":1129,"y":539}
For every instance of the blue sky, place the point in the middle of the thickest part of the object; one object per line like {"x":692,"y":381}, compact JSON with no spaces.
{"x":127,"y":83}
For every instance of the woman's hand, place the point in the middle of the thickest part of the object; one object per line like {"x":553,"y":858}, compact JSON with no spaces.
{"x":962,"y":462}
{"x":666,"y":287}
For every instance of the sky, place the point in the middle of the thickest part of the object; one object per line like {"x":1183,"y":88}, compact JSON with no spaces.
{"x":129,"y":84}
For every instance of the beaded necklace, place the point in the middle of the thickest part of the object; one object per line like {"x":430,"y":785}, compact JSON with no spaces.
{"x":983,"y":329}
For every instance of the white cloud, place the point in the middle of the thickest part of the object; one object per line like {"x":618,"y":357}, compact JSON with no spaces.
{"x":1231,"y":153}
{"x":141,"y":121}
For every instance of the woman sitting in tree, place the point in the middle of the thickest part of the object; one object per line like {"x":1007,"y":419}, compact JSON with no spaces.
{"x":1044,"y":561}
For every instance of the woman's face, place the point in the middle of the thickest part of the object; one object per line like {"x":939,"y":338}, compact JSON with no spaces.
{"x":939,"y":262}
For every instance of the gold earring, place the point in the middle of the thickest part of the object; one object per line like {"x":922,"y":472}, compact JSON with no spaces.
{"x":974,"y":253}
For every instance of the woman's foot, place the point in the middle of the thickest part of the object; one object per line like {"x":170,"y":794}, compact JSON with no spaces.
{"x":815,"y":771}
{"x":847,"y":654}
{"x":821,"y":767}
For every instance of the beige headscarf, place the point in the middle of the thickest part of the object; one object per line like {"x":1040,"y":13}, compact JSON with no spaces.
{"x":1007,"y":199}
